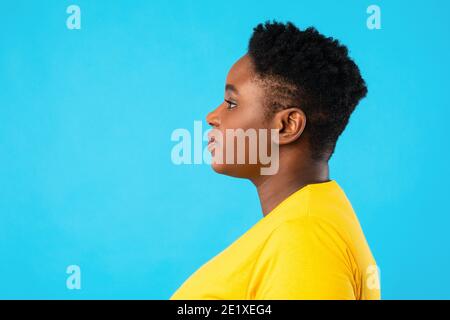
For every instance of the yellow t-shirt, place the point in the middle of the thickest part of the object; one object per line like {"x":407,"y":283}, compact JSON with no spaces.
{"x":311,"y":246}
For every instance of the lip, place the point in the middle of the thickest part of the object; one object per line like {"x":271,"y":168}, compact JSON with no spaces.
{"x":211,"y":143}
{"x":211,"y":146}
{"x":211,"y":139}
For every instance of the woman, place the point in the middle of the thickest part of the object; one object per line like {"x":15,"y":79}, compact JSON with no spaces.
{"x":309,"y":243}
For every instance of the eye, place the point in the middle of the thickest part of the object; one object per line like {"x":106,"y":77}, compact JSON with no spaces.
{"x":230,"y":104}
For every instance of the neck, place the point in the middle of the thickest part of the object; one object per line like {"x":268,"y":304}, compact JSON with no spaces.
{"x":272,"y":190}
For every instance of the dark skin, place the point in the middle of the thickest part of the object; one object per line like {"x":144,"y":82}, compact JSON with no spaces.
{"x":244,"y":108}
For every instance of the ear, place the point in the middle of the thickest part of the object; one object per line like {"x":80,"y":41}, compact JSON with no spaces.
{"x":291,"y":123}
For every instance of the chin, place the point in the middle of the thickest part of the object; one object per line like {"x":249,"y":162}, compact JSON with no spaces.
{"x":222,"y":169}
{"x":232,"y":170}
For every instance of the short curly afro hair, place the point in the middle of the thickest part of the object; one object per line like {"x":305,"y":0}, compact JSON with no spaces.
{"x":310,"y":71}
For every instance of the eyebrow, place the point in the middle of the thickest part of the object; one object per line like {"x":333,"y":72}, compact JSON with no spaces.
{"x":230,"y":87}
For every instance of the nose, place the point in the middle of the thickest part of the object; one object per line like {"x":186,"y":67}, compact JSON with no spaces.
{"x":213,"y":118}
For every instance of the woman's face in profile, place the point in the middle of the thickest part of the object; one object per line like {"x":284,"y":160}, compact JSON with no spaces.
{"x":243,"y":109}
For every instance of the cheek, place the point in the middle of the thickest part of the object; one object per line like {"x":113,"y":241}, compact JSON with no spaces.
{"x":242,"y":137}
{"x":243,"y":117}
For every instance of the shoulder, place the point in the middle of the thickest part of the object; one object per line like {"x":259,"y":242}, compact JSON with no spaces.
{"x":302,"y":227}
{"x":304,"y":258}
{"x":308,"y":237}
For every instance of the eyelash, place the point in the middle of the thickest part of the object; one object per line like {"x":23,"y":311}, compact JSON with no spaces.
{"x":230,"y":104}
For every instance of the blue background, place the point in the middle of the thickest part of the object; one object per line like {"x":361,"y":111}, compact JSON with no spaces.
{"x":86,"y":115}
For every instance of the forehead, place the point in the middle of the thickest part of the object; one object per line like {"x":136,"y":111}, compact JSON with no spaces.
{"x":241,"y":72}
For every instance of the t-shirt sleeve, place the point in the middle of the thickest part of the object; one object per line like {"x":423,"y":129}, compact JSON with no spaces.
{"x":304,"y":258}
